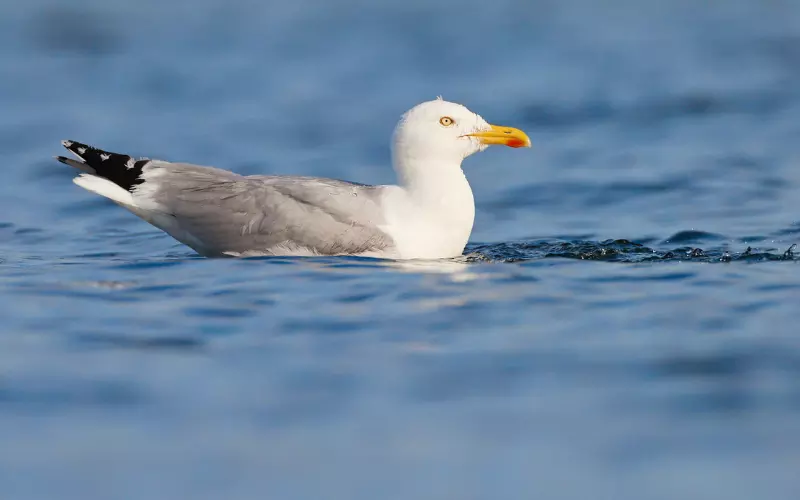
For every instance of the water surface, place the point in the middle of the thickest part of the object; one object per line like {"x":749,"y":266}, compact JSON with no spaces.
{"x":622,"y":324}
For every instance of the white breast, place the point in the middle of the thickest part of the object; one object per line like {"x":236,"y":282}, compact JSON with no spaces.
{"x":430,"y":225}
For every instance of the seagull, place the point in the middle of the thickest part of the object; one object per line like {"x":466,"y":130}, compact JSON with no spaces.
{"x":428,"y":215}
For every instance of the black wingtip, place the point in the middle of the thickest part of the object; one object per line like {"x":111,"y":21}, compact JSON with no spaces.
{"x":118,"y":168}
{"x":79,"y":149}
{"x":73,"y":145}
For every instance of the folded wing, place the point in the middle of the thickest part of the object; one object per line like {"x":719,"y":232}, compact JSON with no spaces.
{"x":265,"y":215}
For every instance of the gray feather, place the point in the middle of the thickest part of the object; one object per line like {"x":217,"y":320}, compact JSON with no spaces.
{"x":76,"y":164}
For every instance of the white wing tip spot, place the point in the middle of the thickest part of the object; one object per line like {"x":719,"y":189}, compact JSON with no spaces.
{"x":105,"y":156}
{"x":130,"y":163}
{"x":81,"y":151}
{"x":66,"y":144}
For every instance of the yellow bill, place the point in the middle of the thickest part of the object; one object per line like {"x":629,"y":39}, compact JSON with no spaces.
{"x":507,"y":136}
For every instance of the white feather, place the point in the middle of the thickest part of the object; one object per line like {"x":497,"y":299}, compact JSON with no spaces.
{"x":105,"y":187}
{"x":115,"y":193}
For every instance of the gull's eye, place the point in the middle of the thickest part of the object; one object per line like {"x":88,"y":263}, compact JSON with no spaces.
{"x":446,"y":121}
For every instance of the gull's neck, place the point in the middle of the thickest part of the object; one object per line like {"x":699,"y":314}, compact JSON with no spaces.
{"x":441,"y":208}
{"x":434,"y":181}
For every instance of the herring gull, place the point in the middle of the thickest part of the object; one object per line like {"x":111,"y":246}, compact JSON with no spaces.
{"x":427,"y":215}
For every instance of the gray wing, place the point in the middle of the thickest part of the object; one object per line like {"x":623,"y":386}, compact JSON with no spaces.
{"x":226,"y":213}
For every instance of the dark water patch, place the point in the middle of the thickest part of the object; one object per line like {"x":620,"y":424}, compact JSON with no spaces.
{"x":793,"y":229}
{"x":308,"y":396}
{"x":537,"y":195}
{"x":274,"y":261}
{"x":28,"y":230}
{"x":322,"y":326}
{"x":170,"y":343}
{"x":777,"y":287}
{"x":516,"y":278}
{"x":693,"y":236}
{"x":740,"y":161}
{"x":217,"y":328}
{"x":89,"y":206}
{"x":219,"y":312}
{"x":147,"y":264}
{"x":770,"y":185}
{"x":165,"y":85}
{"x":717,"y":366}
{"x":183,"y":255}
{"x":667,"y":276}
{"x":458,"y":376}
{"x":356,"y":263}
{"x":611,"y":250}
{"x":626,"y":190}
{"x":107,"y":232}
{"x":244,"y":296}
{"x":571,"y":237}
{"x":573,"y":195}
{"x":51,"y":395}
{"x":749,"y":240}
{"x":551,"y":115}
{"x":95,"y":255}
{"x":357,"y":298}
{"x":54,"y":29}
{"x":503,"y":252}
{"x":690,"y":105}
{"x":713,"y":400}
{"x":754,"y":307}
{"x":345,"y":262}
{"x":6,"y":232}
{"x":625,"y":251}
{"x":721,"y":380}
{"x":167,"y":289}
{"x":784,"y":49}
{"x":137,"y":237}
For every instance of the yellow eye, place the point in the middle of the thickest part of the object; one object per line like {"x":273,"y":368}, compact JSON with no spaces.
{"x":446,"y":121}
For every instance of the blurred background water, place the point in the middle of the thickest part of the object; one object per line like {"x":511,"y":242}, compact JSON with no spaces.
{"x":621,"y":326}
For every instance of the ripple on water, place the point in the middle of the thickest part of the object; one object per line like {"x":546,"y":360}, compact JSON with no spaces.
{"x":626,"y":251}
{"x":165,"y":343}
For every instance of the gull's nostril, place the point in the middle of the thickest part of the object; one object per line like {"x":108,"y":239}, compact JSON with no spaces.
{"x":507,"y":131}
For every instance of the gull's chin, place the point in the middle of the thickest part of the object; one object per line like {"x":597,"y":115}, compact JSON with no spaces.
{"x":474,"y":146}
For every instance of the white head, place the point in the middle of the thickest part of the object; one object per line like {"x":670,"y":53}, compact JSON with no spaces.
{"x":439,"y":133}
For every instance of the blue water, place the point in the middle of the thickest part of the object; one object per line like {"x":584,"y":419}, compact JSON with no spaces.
{"x":622,"y":326}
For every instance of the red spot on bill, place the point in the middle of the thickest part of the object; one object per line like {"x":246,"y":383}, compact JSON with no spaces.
{"x":515,"y":143}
